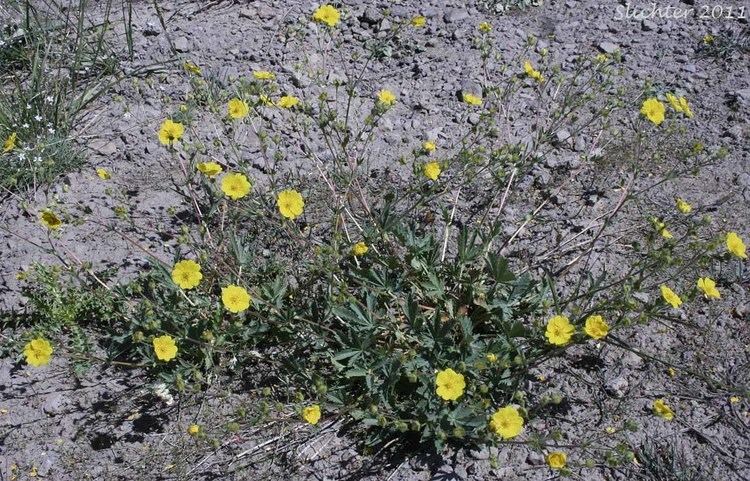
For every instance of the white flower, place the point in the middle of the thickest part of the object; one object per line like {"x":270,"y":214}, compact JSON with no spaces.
{"x":51,"y":130}
{"x":49,"y":99}
{"x":22,"y":156}
{"x":38,"y":118}
{"x":38,"y":159}
{"x":25,"y":125}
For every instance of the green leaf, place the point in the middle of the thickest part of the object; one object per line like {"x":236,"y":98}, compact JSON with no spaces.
{"x":498,"y":267}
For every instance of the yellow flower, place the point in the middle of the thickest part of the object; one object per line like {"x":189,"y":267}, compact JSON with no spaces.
{"x":237,"y":109}
{"x":661,"y":409}
{"x":264,"y":75}
{"x":192,"y":68}
{"x":235,"y":185}
{"x":287,"y":101}
{"x":685,"y":107}
{"x":449,"y":384}
{"x":170,"y":132}
{"x":194,"y":430}
{"x":653,"y":110}
{"x":670,"y":297}
{"x":311,"y":414}
{"x":506,"y":422}
{"x":661,"y":228}
{"x":484,"y":27}
{"x":708,"y":39}
{"x":735,"y":245}
{"x":471,"y":99}
{"x":491,"y":358}
{"x":601,"y":58}
{"x":187,"y":274}
{"x":431,"y":170}
{"x":679,"y":104}
{"x":360,"y":249}
{"x":532,"y":72}
{"x":209,"y":169}
{"x":50,"y":220}
{"x":386,"y":98}
{"x":235,"y":298}
{"x":735,"y":399}
{"x":327,"y":14}
{"x":429,"y":146}
{"x":557,"y":459}
{"x":559,"y":330}
{"x":290,"y":203}
{"x":10,"y":142}
{"x":419,"y":21}
{"x":103,"y":174}
{"x":165,"y":348}
{"x":38,"y":352}
{"x":672,"y":371}
{"x":265,"y":99}
{"x":683,"y":206}
{"x":708,"y":287}
{"x":596,"y":327}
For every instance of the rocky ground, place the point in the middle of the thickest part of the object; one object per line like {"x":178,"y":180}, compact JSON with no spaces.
{"x":110,"y":425}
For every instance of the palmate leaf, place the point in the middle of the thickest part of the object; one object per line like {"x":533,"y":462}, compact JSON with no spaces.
{"x":498,"y":267}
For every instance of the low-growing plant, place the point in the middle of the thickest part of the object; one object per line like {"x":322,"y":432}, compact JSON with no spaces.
{"x":389,"y":294}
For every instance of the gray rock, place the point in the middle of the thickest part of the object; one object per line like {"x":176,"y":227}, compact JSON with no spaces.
{"x":48,"y":460}
{"x":480,"y":454}
{"x":248,"y":12}
{"x":103,"y":147}
{"x":474,"y":118}
{"x":740,"y":97}
{"x":460,"y":33}
{"x":372,"y":16}
{"x":643,"y":297}
{"x":53,"y":404}
{"x":535,"y":459}
{"x":562,"y":136}
{"x":455,"y":15}
{"x":542,"y":176}
{"x":632,"y":360}
{"x":181,"y":44}
{"x":617,"y":387}
{"x":648,"y":25}
{"x":266,"y":13}
{"x":608,"y":47}
{"x":150,"y":30}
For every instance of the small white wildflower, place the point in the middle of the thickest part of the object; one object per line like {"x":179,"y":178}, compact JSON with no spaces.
{"x":51,"y":130}
{"x":25,"y":125}
{"x":38,"y":159}
{"x":22,"y":156}
{"x":28,"y":106}
{"x":38,"y":118}
{"x":49,"y":99}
